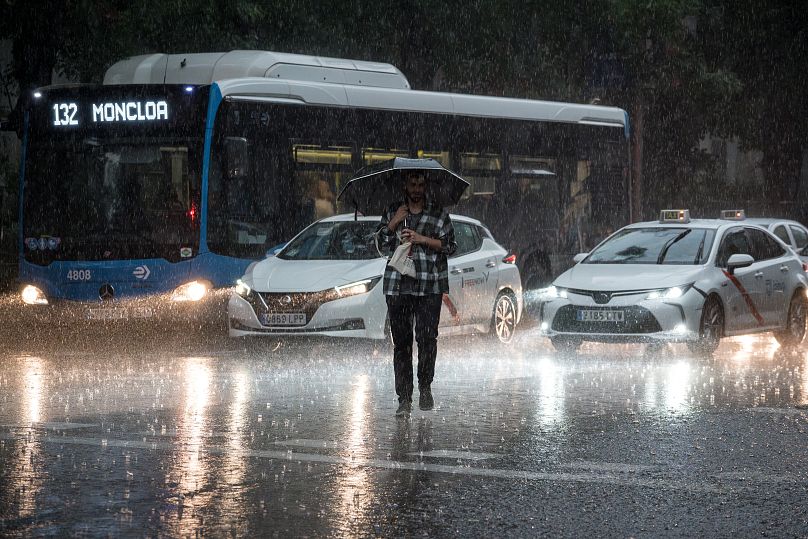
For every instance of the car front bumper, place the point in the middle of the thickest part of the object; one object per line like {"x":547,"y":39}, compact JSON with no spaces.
{"x":643,"y":320}
{"x":360,"y":316}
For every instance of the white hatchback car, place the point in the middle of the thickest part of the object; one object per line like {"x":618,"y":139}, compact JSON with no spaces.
{"x":677,"y":280}
{"x":327,"y":281}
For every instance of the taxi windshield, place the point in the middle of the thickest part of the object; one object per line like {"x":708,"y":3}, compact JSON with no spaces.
{"x":655,"y":245}
{"x":342,"y":240}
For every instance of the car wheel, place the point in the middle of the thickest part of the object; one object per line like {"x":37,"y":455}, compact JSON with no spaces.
{"x":711,"y":328}
{"x":503,"y":322}
{"x":795,"y":325}
{"x":565,"y":345}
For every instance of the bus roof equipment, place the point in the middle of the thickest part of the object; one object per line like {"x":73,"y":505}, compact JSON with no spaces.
{"x":205,"y":68}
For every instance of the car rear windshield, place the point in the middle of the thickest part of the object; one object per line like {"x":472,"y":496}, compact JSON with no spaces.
{"x":342,"y":240}
{"x":657,"y":245}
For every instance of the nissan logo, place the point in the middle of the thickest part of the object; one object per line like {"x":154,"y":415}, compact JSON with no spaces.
{"x":106,"y":292}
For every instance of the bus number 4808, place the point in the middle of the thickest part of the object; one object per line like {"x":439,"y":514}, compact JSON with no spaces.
{"x":79,"y":275}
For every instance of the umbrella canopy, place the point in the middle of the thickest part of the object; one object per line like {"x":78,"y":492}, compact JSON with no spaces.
{"x":376,"y":187}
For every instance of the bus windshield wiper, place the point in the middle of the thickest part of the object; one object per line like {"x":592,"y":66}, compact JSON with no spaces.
{"x":670,"y":243}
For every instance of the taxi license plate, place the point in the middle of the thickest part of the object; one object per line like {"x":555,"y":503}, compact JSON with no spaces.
{"x":119,"y":313}
{"x":284,"y":319}
{"x":586,"y":315}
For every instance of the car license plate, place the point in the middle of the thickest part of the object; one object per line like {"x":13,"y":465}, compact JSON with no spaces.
{"x":284,"y":319}
{"x":119,"y":313}
{"x":108,"y":313}
{"x":586,"y":315}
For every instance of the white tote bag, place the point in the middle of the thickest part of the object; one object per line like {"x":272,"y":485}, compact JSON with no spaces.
{"x":401,"y":261}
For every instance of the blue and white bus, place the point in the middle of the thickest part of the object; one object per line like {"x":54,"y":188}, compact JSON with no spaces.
{"x":146,"y":195}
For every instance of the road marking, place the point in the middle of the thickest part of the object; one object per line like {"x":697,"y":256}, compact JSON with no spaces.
{"x":625,"y":480}
{"x":50,"y":426}
{"x":307,"y":442}
{"x":448,"y":454}
{"x":608,"y":466}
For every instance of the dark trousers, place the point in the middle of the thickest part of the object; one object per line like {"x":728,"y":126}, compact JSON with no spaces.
{"x":425,"y":311}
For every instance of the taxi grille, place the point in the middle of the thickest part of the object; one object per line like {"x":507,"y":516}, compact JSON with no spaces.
{"x":636,"y":320}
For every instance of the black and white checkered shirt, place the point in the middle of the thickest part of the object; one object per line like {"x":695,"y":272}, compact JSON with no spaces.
{"x":431,"y":267}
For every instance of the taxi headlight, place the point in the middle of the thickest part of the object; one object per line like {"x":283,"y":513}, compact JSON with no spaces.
{"x":242,"y":288}
{"x":359,"y":287}
{"x":673,"y":292}
{"x":32,"y":295}
{"x":552,"y":292}
{"x":193,"y":291}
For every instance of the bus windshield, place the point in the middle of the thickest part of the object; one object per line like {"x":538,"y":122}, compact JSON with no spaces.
{"x":119,"y":198}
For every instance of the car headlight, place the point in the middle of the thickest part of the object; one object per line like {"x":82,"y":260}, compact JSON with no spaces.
{"x":193,"y":291}
{"x":32,"y":295}
{"x":242,"y":288}
{"x":552,"y":292}
{"x":359,"y":287}
{"x":673,"y":292}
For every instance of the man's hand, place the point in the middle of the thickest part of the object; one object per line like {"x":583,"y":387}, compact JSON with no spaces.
{"x":418,"y":239}
{"x":399,"y":216}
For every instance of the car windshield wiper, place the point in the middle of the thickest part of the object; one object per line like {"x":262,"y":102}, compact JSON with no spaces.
{"x":670,"y":243}
{"x":701,"y":248}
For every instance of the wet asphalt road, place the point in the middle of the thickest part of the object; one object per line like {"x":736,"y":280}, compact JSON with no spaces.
{"x":182,"y":435}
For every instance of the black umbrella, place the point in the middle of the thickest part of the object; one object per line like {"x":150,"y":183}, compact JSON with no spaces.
{"x":376,"y":187}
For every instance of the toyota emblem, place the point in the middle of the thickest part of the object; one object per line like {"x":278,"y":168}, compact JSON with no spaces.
{"x":106,"y":292}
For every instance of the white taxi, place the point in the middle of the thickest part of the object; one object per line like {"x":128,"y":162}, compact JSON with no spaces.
{"x":680,"y":280}
{"x":327,"y":281}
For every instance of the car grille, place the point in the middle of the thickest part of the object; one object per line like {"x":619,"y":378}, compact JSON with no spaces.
{"x":294,"y":302}
{"x":637,"y":320}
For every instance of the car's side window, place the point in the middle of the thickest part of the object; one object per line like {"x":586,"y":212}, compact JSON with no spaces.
{"x":800,"y":237}
{"x":780,"y":232}
{"x":467,"y":238}
{"x":764,"y":247}
{"x":735,"y":242}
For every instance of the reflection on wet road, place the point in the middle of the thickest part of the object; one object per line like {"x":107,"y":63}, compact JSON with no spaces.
{"x":177,"y":437}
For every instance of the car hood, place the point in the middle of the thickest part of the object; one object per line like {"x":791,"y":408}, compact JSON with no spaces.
{"x":614,"y":277}
{"x":279,"y":275}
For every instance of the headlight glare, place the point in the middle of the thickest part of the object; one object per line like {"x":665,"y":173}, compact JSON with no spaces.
{"x":673,"y":292}
{"x":358,"y":287}
{"x":552,"y":292}
{"x":242,"y":288}
{"x":193,"y":291}
{"x":32,"y":295}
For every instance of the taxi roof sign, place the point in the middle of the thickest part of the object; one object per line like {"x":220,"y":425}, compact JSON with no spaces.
{"x":674,"y":216}
{"x":733,"y":215}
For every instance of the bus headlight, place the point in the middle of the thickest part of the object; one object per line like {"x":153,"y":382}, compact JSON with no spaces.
{"x":193,"y":291}
{"x":242,"y":288}
{"x":32,"y":295}
{"x":359,"y":287}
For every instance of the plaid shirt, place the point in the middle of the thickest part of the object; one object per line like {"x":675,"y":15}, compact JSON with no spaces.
{"x":431,"y":267}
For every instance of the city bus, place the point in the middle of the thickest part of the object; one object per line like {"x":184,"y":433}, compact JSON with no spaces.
{"x":151,"y":193}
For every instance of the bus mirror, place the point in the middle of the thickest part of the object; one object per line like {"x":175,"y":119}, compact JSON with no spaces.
{"x":236,"y":157}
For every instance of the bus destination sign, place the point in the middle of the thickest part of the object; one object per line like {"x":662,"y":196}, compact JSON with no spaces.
{"x":70,"y":113}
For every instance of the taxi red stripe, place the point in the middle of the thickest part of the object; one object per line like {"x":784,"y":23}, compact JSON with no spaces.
{"x":747,"y":298}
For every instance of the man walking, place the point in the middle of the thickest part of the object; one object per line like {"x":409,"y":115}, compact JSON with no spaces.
{"x":418,"y":298}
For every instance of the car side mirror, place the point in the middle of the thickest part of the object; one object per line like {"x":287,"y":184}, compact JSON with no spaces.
{"x":580,"y":256}
{"x":236,"y":157}
{"x":272,"y":251}
{"x":739,"y":261}
{"x":804,"y":251}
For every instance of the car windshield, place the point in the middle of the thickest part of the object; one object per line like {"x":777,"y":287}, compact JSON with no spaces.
{"x":674,"y":245}
{"x":340,"y":240}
